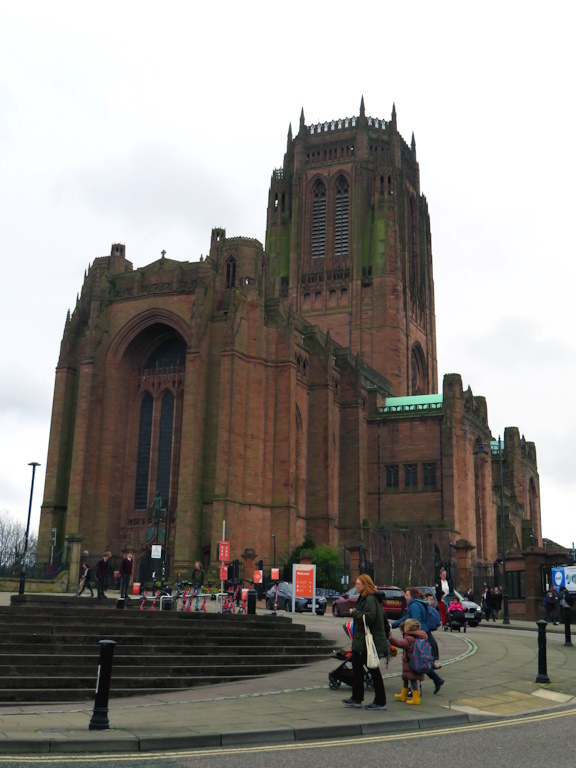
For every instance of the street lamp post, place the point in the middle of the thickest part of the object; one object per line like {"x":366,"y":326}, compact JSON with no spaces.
{"x":32,"y":464}
{"x":274,"y":541}
{"x":505,"y":619}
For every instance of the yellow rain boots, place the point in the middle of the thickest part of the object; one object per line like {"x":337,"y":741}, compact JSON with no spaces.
{"x":415,"y":698}
{"x":402,"y":696}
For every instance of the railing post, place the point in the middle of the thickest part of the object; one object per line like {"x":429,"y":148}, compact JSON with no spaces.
{"x":567,"y":632}
{"x":542,"y":676}
{"x":99,"y":721}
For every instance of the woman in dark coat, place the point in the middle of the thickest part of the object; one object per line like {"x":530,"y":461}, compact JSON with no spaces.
{"x":412,"y":632}
{"x":370,"y":607}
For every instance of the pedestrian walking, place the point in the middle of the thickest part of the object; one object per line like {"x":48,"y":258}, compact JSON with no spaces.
{"x":418,"y":610}
{"x":368,"y":608}
{"x":556,"y":611}
{"x":197,"y":583}
{"x":487,"y":602}
{"x":85,"y":580}
{"x":126,"y":567}
{"x":548,"y":604}
{"x":102,"y":575}
{"x":497,"y":603}
{"x":444,"y":587}
{"x":411,"y":631}
{"x":434,"y":616}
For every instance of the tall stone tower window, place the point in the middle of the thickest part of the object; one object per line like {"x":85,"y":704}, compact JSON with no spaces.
{"x":319,"y":221}
{"x":341,"y":218}
{"x":417,"y":371}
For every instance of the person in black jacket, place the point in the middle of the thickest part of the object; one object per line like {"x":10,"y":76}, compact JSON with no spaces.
{"x":102,"y":574}
{"x":370,"y":608}
{"x":126,"y":567}
{"x":85,"y":580}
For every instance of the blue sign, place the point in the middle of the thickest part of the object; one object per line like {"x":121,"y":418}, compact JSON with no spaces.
{"x":565,"y":576}
{"x":558,"y":577}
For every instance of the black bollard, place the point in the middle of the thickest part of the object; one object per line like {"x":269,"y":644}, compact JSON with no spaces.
{"x":567,"y":632}
{"x":251,"y":601}
{"x":542,"y":676}
{"x":99,"y":721}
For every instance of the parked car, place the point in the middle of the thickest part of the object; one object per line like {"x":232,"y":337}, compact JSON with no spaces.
{"x":472,"y":611}
{"x":393,"y":602}
{"x":285,"y":600}
{"x":327,"y":592}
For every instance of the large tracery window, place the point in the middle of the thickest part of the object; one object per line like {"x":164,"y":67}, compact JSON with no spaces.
{"x":319,"y":221}
{"x":341,"y":218}
{"x":161,"y":380}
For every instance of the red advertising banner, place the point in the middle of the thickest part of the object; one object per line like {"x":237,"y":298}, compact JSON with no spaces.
{"x":224,"y":551}
{"x":258,"y":577}
{"x":275,"y":574}
{"x":304,"y":581}
{"x":223,"y":572}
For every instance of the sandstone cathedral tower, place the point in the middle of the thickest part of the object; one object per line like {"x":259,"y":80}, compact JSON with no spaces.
{"x":283,"y":390}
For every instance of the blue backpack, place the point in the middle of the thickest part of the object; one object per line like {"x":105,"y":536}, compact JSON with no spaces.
{"x":421,"y":659}
{"x":433,"y":619}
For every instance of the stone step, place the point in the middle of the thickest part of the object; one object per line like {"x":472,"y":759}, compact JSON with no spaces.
{"x":141,"y":646}
{"x":183,"y":678}
{"x":49,"y":650}
{"x":77,"y":666}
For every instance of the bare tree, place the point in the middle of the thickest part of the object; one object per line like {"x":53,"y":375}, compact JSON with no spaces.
{"x":12,"y":540}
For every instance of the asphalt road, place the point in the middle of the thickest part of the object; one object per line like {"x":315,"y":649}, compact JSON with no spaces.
{"x":543,"y":739}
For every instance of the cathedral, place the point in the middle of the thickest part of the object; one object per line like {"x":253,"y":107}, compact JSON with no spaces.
{"x":269,"y":392}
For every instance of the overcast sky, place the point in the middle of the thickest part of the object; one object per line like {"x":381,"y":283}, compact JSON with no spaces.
{"x":150,"y":123}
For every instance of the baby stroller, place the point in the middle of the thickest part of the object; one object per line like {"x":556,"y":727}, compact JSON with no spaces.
{"x":344,"y":673}
{"x":455,"y":621}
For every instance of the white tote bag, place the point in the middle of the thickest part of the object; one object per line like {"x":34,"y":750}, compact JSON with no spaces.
{"x":372,"y":660}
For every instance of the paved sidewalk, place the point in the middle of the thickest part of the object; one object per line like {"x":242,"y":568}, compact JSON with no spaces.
{"x":490,"y":671}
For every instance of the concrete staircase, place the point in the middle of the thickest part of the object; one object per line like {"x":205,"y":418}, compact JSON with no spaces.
{"x":49,"y":648}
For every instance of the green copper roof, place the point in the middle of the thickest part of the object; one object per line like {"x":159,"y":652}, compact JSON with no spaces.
{"x":413,"y":403}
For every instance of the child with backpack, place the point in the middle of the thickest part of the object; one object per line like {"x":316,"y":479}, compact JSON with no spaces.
{"x":416,"y":659}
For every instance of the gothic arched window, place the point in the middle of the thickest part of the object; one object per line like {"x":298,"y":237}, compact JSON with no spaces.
{"x":341,"y":218}
{"x":319,"y":221}
{"x":417,"y":371}
{"x":162,"y":379}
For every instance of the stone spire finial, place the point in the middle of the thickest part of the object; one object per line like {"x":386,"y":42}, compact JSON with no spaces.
{"x":362,"y":108}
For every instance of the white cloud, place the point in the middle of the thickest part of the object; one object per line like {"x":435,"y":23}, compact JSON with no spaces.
{"x":150,"y":126}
